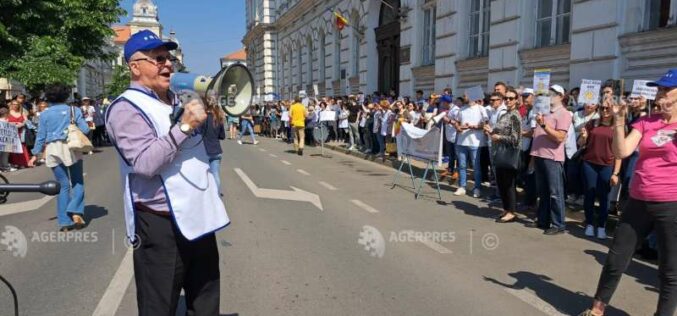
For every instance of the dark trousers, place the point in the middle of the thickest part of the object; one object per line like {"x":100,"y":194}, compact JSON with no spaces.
{"x":485,"y":163}
{"x":597,"y":185}
{"x":637,"y":220}
{"x":451,"y":152}
{"x":506,"y":180}
{"x":165,"y":262}
{"x":98,"y":136}
{"x":550,"y":176}
{"x":528,"y":181}
{"x":574,"y":177}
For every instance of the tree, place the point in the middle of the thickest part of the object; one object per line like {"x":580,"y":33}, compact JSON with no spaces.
{"x":46,"y":41}
{"x":120,"y":81}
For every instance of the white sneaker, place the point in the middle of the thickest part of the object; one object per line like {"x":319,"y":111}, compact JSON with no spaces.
{"x":589,"y":231}
{"x":256,"y":142}
{"x":239,"y":142}
{"x":476,"y":193}
{"x":460,"y":191}
{"x":601,"y":233}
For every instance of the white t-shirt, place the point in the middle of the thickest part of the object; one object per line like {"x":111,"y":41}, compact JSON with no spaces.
{"x":450,"y":130}
{"x":471,"y":115}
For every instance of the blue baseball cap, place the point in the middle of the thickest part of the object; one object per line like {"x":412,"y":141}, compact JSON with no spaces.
{"x":669,"y":80}
{"x":445,"y":98}
{"x":143,"y":41}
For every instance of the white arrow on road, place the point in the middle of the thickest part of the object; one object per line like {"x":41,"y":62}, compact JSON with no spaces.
{"x":295,"y":195}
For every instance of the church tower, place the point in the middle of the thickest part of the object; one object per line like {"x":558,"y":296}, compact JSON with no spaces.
{"x":145,"y":17}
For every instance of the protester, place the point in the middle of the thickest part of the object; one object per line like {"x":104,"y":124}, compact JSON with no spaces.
{"x":4,"y":156}
{"x":18,"y":117}
{"x":247,"y":125}
{"x":450,"y":139}
{"x":298,"y":114}
{"x":652,"y":201}
{"x":213,"y":132}
{"x":506,"y":133}
{"x":233,"y":122}
{"x":550,"y":135}
{"x":65,"y":164}
{"x":600,"y":170}
{"x":528,"y":176}
{"x":163,"y":164}
{"x":99,"y":134}
{"x":469,"y":126}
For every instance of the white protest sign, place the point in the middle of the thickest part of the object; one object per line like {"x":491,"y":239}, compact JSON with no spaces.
{"x":285,"y":116}
{"x":474,"y":93}
{"x":316,"y":89}
{"x":327,"y":115}
{"x":589,"y":93}
{"x":542,"y":105}
{"x":268,"y":98}
{"x":639,"y":88}
{"x":541,"y":81}
{"x":9,"y":139}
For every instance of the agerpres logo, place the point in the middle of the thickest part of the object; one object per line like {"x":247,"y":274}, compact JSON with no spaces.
{"x":373,"y":241}
{"x":15,"y":241}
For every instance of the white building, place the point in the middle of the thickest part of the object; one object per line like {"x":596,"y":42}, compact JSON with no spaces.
{"x":434,"y":44}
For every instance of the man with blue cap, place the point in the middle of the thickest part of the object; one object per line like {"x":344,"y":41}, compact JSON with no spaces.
{"x":172,"y":204}
{"x":652,"y":205}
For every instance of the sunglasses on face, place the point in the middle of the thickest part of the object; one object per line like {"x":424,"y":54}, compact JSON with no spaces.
{"x":494,"y":100}
{"x":605,"y":108}
{"x":510,"y":98}
{"x":158,"y":60}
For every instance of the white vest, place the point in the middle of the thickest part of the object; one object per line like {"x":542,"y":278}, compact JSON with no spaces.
{"x":191,"y":191}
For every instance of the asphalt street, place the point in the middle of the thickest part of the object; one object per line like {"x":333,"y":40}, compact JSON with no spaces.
{"x":304,"y":240}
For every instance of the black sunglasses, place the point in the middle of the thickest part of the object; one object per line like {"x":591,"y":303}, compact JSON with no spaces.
{"x":510,"y":98}
{"x":158,"y":60}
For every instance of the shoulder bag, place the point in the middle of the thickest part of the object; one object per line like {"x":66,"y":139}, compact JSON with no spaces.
{"x":77,"y":141}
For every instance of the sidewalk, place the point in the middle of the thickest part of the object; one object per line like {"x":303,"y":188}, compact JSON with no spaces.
{"x":574,"y":213}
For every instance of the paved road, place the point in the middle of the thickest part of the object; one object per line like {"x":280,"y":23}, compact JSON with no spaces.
{"x":290,"y":257}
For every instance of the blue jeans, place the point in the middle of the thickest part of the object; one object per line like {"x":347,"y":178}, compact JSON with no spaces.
{"x":462,"y":153}
{"x":215,"y":169}
{"x":381,"y":144}
{"x":246,"y":126}
{"x":575,"y":177}
{"x":597,"y":178}
{"x":550,"y":177}
{"x":451,"y":151}
{"x":71,"y":199}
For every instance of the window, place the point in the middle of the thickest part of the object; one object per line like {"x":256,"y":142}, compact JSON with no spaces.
{"x":479,"y":28}
{"x":310,"y":61}
{"x":553,"y":24}
{"x":429,"y":18}
{"x":337,"y":55}
{"x":321,"y":58}
{"x":356,"y":54}
{"x":657,"y":14}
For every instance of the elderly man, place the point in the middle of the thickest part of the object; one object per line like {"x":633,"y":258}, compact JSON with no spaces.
{"x":172,"y":205}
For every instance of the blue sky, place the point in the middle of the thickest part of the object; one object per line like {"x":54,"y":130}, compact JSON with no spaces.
{"x":207,"y":29}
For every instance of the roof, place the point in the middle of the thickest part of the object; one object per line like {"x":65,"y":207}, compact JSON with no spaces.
{"x":238,"y":55}
{"x":122,"y":33}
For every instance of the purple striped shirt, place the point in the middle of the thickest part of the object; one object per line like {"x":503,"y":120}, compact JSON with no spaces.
{"x":147,"y":153}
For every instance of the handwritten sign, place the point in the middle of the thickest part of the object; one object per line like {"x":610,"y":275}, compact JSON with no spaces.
{"x":589,"y":91}
{"x":640,"y":89}
{"x":541,"y":81}
{"x":327,"y":115}
{"x":474,"y":93}
{"x":316,"y":89}
{"x":9,"y":139}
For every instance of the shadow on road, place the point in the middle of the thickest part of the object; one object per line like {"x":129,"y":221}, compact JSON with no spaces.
{"x":474,"y":210}
{"x":565,"y":301}
{"x":181,"y":308}
{"x":94,"y":212}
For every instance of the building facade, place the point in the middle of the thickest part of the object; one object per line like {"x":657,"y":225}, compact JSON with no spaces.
{"x":406,"y":45}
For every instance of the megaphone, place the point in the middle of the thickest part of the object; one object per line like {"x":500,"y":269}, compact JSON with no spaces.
{"x":232,"y":87}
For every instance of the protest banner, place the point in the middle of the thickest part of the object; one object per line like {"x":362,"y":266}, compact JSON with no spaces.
{"x":542,"y":104}
{"x":474,"y":93}
{"x":541,"y":81}
{"x":640,"y":89}
{"x":9,"y":139}
{"x":327,"y":115}
{"x":589,"y":93}
{"x":421,"y":144}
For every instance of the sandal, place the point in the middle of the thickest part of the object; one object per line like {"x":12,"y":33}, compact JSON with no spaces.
{"x":79,"y":221}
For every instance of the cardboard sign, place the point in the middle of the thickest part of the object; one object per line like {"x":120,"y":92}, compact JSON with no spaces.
{"x":327,"y":116}
{"x":542,"y":105}
{"x":589,"y":93}
{"x":285,"y":116}
{"x":541,"y":81}
{"x":640,"y":89}
{"x":9,"y":139}
{"x":475,"y":93}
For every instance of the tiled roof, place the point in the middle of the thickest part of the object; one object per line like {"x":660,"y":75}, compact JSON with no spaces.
{"x":122,"y":33}
{"x":238,"y":55}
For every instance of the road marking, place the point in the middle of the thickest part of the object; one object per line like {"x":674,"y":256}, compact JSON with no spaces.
{"x":295,"y":195}
{"x":273,"y":155}
{"x":328,"y":186}
{"x":111,"y":299}
{"x":364,"y":206}
{"x":286,"y":162}
{"x":263,"y":150}
{"x":429,"y":243}
{"x":534,"y":301}
{"x":303,"y":172}
{"x":25,"y":206}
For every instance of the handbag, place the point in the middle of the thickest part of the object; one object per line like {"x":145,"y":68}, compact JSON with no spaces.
{"x":506,"y":156}
{"x":76,"y":140}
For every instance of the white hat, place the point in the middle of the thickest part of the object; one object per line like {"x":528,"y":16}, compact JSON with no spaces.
{"x":528,"y":91}
{"x":557,"y":88}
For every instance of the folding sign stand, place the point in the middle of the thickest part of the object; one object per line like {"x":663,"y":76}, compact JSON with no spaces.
{"x":322,"y":137}
{"x":430,"y":165}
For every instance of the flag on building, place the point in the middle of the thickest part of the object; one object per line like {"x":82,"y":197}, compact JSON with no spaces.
{"x":341,"y":21}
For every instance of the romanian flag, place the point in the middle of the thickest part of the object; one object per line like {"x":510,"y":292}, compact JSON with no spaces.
{"x":341,"y":22}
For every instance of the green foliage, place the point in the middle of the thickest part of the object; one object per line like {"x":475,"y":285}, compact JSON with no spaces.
{"x":119,"y":82}
{"x":42,"y":41}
